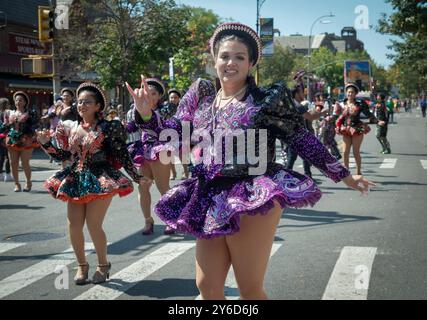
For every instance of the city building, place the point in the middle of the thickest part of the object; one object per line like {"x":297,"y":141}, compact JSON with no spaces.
{"x":18,"y":39}
{"x":300,"y":44}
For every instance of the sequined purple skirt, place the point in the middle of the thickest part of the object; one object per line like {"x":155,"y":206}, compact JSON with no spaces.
{"x":141,"y":152}
{"x":208,"y":210}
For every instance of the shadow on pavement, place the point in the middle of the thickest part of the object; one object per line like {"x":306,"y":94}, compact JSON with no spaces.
{"x":19,"y":206}
{"x":319,"y":218}
{"x":162,"y":289}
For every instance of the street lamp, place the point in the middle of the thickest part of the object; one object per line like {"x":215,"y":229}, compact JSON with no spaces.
{"x":309,"y":49}
{"x":259,"y":4}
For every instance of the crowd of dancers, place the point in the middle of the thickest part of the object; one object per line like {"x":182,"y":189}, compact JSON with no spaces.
{"x":232,"y":214}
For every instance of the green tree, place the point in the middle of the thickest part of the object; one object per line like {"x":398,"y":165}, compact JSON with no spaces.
{"x":409,"y":22}
{"x":277,"y":67}
{"x":191,"y":58}
{"x":120,"y":39}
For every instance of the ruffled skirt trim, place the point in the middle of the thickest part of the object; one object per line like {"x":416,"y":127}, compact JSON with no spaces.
{"x":17,"y":147}
{"x":142,"y":152}
{"x":212,"y":211}
{"x":83,"y":187}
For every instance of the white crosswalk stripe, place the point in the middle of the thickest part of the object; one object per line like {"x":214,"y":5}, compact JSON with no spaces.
{"x":231,"y":291}
{"x":351,"y":275}
{"x":136,"y":272}
{"x":4,"y":246}
{"x":38,"y":271}
{"x":424,"y":164}
{"x":388,"y":164}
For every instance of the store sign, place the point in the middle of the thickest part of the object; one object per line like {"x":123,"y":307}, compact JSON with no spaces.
{"x":23,"y":45}
{"x":267,"y":35}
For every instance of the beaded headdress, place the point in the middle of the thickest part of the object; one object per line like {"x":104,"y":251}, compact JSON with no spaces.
{"x":241,"y":30}
{"x":22,"y":93}
{"x":101,"y":96}
{"x":67,"y":90}
{"x":158,"y":84}
{"x":352,"y":85}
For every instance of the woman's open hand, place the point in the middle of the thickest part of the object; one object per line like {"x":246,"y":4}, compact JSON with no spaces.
{"x":144,"y":101}
{"x":359,"y":183}
{"x":43,"y":136}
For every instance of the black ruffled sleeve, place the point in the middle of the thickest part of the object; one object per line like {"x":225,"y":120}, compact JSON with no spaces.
{"x":115,"y":147}
{"x":55,"y":152}
{"x":278,"y":112}
{"x":367,"y":112}
{"x":279,"y":115}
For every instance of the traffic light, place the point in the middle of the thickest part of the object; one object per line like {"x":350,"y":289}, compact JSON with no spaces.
{"x":46,"y":23}
{"x":37,"y":66}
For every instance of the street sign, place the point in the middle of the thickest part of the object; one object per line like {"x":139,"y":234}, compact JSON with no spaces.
{"x":358,"y":72}
{"x":267,"y":36}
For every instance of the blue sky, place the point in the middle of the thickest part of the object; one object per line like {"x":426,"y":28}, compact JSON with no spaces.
{"x":292,"y":17}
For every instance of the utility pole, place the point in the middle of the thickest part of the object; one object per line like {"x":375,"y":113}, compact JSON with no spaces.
{"x":259,"y":4}
{"x":309,"y":52}
{"x":56,"y":80}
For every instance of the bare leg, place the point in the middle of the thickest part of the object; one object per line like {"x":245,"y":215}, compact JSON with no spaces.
{"x":347,"y":147}
{"x":161,"y":175}
{"x":357,"y":142}
{"x":173,"y":171}
{"x":212,"y":265}
{"x":186,"y":172}
{"x":95,"y":214}
{"x":14,"y":163}
{"x":250,"y":251}
{"x":76,"y":220}
{"x":25,"y":161}
{"x":144,"y":195}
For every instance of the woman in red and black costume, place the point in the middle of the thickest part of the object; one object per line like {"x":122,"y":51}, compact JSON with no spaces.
{"x":20,"y":125}
{"x":98,"y":150}
{"x":352,"y":128}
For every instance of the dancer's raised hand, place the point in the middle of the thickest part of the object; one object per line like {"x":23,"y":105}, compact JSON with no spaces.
{"x":144,"y":102}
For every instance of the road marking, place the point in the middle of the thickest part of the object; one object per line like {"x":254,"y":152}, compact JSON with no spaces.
{"x":388,"y":164}
{"x":46,"y":171}
{"x":352,"y":163}
{"x":424,"y":164}
{"x":350,"y":277}
{"x":136,"y":272}
{"x":4,"y":247}
{"x":231,"y":290}
{"x":38,"y":271}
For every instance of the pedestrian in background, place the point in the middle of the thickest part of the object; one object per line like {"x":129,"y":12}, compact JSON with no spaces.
{"x":4,"y":156}
{"x":20,"y":125}
{"x":381,"y":114}
{"x":167,"y":111}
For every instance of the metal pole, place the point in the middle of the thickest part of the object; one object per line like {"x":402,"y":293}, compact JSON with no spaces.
{"x":56,"y":81}
{"x":309,"y":53}
{"x":257,"y":31}
{"x":309,"y":69}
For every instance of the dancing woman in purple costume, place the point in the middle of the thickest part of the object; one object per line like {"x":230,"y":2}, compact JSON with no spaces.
{"x":146,"y":154}
{"x":233,"y":214}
